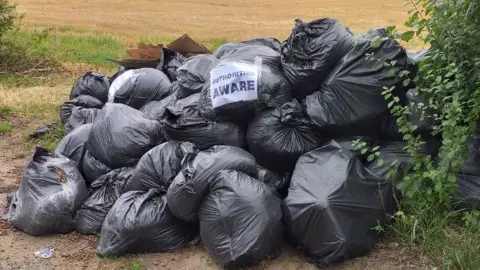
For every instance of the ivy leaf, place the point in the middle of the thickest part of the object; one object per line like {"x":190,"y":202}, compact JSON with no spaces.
{"x":407,"y":36}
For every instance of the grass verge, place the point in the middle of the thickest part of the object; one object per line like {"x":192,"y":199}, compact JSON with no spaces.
{"x":5,"y":127}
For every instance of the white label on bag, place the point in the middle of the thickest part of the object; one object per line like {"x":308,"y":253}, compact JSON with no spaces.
{"x":232,"y":83}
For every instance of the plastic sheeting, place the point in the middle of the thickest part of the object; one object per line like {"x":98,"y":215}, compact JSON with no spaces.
{"x":278,"y":137}
{"x":121,"y":135}
{"x":137,"y":87}
{"x":141,"y":222}
{"x":103,"y":194}
{"x":183,"y":122}
{"x":191,"y":185}
{"x":91,"y":84}
{"x":159,"y":166}
{"x":334,"y":204}
{"x":312,"y":51}
{"x":51,"y":191}
{"x":240,"y":220}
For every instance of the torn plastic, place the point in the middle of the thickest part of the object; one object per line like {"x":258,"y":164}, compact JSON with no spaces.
{"x":159,"y":166}
{"x":91,"y":84}
{"x":334,"y":204}
{"x":80,"y":101}
{"x":103,"y":194}
{"x":122,"y":135}
{"x":243,"y":84}
{"x":278,"y":137}
{"x":137,"y":87}
{"x":51,"y":191}
{"x":190,"y":186}
{"x":140,"y":222}
{"x":240,"y":220}
{"x":183,"y":122}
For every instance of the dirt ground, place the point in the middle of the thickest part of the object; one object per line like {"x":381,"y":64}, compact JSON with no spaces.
{"x":75,"y":251}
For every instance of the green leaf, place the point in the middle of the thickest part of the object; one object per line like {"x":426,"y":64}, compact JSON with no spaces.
{"x":390,"y":104}
{"x":407,"y":36}
{"x":380,"y":162}
{"x":371,"y":157}
{"x":376,"y":42}
{"x":375,"y":148}
{"x":364,"y":151}
{"x":406,"y":82}
{"x":391,"y":28}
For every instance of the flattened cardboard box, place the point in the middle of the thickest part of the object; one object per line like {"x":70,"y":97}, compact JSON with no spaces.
{"x":187,"y":46}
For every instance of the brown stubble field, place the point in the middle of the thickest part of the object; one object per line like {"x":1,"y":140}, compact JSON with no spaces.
{"x":207,"y":19}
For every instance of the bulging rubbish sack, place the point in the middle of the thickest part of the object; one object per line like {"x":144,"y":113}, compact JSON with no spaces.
{"x":193,"y":74}
{"x":159,"y":166}
{"x":91,"y":84}
{"x":183,"y":122}
{"x":155,"y":109}
{"x":121,"y":135}
{"x":312,"y":51}
{"x":190,"y":186}
{"x":140,"y":222}
{"x":92,"y":168}
{"x":243,"y":84}
{"x":278,"y":137}
{"x":83,"y":101}
{"x":80,"y":116}
{"x":334,"y":204}
{"x":350,"y":100}
{"x":117,"y":74}
{"x":51,"y":191}
{"x":240,"y":220}
{"x":73,"y":145}
{"x":229,"y":48}
{"x":103,"y":194}
{"x":279,"y":182}
{"x":136,"y":87}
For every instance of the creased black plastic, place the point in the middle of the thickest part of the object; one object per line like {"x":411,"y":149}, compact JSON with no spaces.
{"x":140,"y":222}
{"x":51,"y":191}
{"x":155,"y":109}
{"x":352,"y":94}
{"x":346,"y":142}
{"x":91,"y":84}
{"x":80,"y":101}
{"x":193,"y":74}
{"x":103,"y":193}
{"x":312,"y":51}
{"x":159,"y":166}
{"x":229,"y":48}
{"x":170,"y":62}
{"x":137,"y":87}
{"x":73,"y":145}
{"x":191,"y":185}
{"x":80,"y":116}
{"x":240,"y":220}
{"x":92,"y":168}
{"x":334,"y":204}
{"x":122,"y":135}
{"x":183,"y":122}
{"x":278,"y":137}
{"x":468,"y":179}
{"x":279,"y":182}
{"x":273,"y":88}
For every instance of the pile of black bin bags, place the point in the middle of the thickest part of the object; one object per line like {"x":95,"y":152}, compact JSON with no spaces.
{"x":240,"y":149}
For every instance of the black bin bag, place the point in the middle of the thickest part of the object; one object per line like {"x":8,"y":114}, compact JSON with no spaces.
{"x":140,"y":222}
{"x":73,"y":145}
{"x":312,"y":51}
{"x":136,"y":87}
{"x":92,"y":168}
{"x":243,"y":84}
{"x":350,"y":100}
{"x":170,"y":62}
{"x":229,"y":48}
{"x":80,"y":116}
{"x":193,"y":74}
{"x":103,"y":194}
{"x":121,"y":135}
{"x":468,"y":179}
{"x":51,"y":191}
{"x":334,"y":204}
{"x":183,"y":122}
{"x":83,"y":101}
{"x":156,"y":108}
{"x":278,"y":137}
{"x":240,"y":220}
{"x":159,"y":166}
{"x":279,"y":182}
{"x":190,"y":186}
{"x":91,"y":84}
